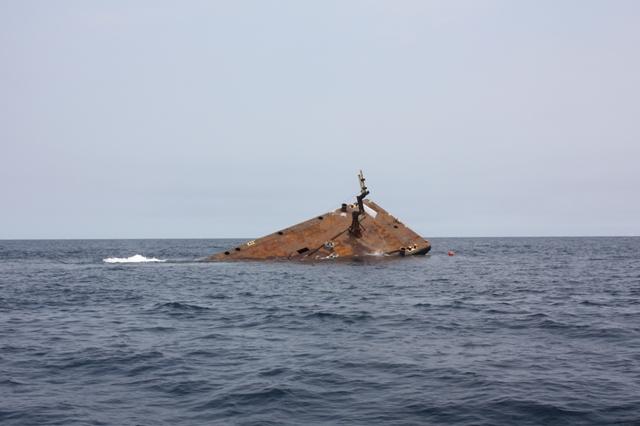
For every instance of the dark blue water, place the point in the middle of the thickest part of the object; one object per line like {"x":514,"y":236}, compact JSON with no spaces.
{"x":508,"y":331}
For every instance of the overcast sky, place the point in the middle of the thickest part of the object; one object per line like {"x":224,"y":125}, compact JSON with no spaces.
{"x":128,"y":119}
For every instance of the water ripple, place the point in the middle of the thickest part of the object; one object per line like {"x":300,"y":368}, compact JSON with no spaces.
{"x":520,"y":331}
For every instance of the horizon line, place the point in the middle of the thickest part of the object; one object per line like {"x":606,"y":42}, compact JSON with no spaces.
{"x":253,"y":238}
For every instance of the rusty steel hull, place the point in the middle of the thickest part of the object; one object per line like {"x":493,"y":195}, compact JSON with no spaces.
{"x":328,"y":236}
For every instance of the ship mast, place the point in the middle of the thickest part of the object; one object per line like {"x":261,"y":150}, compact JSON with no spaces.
{"x":354,"y":229}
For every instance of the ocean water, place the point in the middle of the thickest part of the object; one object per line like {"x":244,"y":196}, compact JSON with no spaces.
{"x":513,"y":331}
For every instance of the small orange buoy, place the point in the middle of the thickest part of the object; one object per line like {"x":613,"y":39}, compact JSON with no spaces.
{"x":451,"y":253}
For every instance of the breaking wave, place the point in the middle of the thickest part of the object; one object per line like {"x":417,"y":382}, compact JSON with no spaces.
{"x":136,"y":258}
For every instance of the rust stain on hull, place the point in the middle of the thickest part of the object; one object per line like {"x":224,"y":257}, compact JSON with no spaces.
{"x":351,"y":231}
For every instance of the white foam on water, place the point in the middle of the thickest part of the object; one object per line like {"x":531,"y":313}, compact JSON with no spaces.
{"x":137,"y":258}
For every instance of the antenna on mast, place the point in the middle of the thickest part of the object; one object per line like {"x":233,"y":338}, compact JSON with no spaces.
{"x":361,"y":179}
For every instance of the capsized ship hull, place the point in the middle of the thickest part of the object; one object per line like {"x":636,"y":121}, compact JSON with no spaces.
{"x":351,"y":231}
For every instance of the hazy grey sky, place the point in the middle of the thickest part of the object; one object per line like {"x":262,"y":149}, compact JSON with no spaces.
{"x":233,"y":119}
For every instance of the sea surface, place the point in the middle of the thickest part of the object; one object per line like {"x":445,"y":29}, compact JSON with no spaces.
{"x":509,"y":331}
